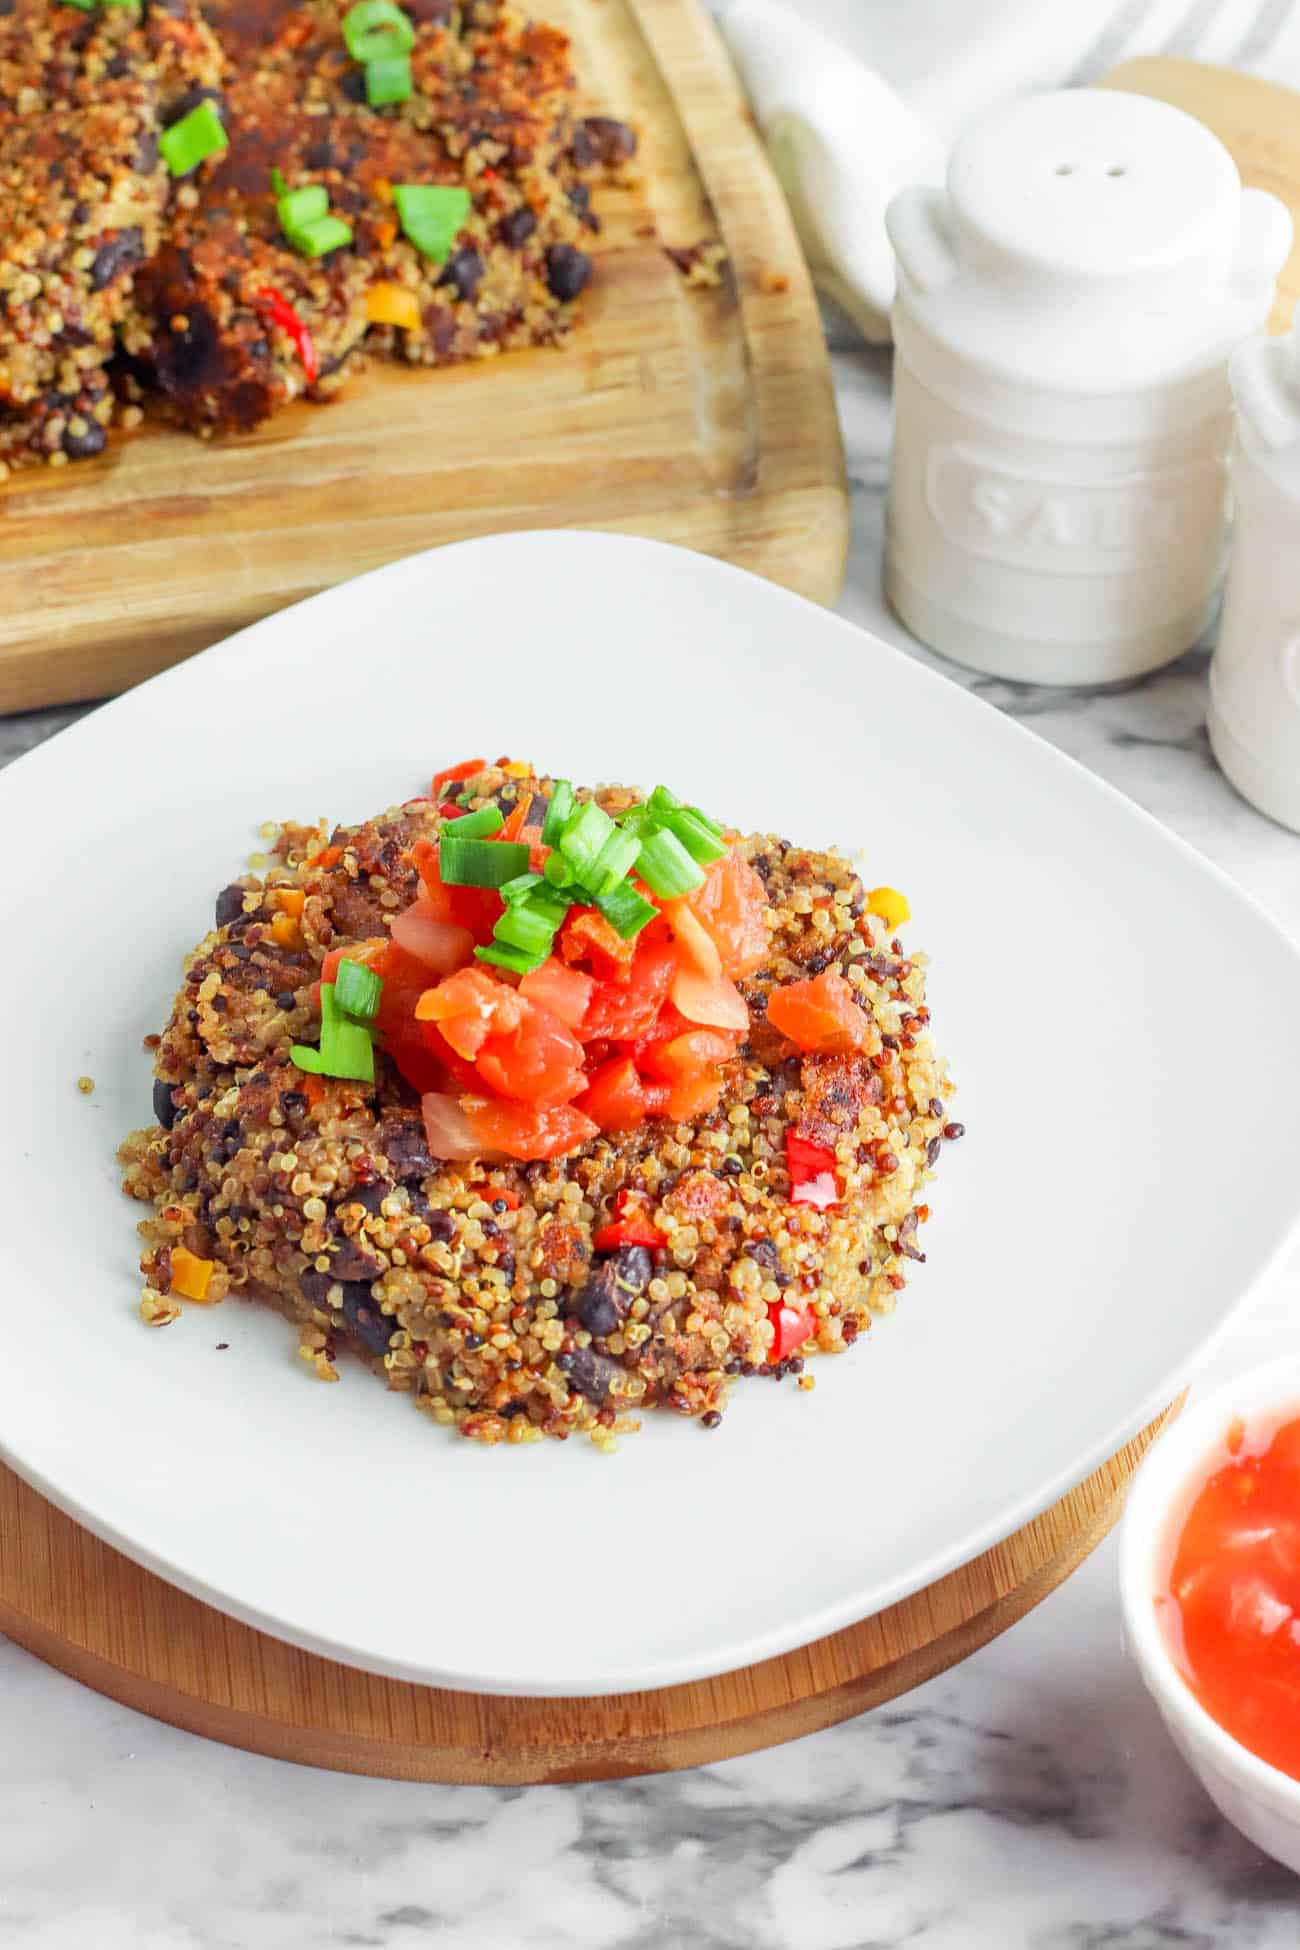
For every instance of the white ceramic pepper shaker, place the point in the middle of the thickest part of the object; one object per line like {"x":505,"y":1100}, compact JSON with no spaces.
{"x":1254,"y":714}
{"x":1065,"y":314}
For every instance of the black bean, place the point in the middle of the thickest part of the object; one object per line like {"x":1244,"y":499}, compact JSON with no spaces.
{"x":463,"y":272}
{"x":441,"y":1225}
{"x":352,"y":1262}
{"x":91,"y":440}
{"x":567,"y":271}
{"x":713,"y":1420}
{"x":164,"y":1109}
{"x":599,"y":1305}
{"x":120,"y":253}
{"x":370,"y":1196}
{"x":515,"y":229}
{"x":230,"y":903}
{"x":473,"y":1340}
{"x":285,"y":999}
{"x":580,"y":199}
{"x":932,"y":1150}
{"x":146,"y":153}
{"x":954,"y":1131}
{"x":293,"y":1103}
{"x":407,"y":1148}
{"x":366,"y":1322}
{"x":590,"y":1374}
{"x":353,"y":85}
{"x":612,"y":141}
{"x":936,"y":1107}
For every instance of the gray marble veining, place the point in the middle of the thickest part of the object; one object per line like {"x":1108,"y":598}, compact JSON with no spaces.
{"x":1029,"y":1800}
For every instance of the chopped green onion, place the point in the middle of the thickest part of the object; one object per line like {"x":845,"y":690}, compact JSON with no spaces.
{"x":626,"y":911}
{"x":376,"y":27}
{"x":616,"y":859}
{"x":528,"y":927}
{"x":345,"y":1047}
{"x":662,"y":801}
{"x":585,"y":834}
{"x":389,"y":80}
{"x":696,"y":835}
{"x":478,"y":825}
{"x":325,"y":234}
{"x":709,"y":825}
{"x":520,"y":889}
{"x":637,"y":819}
{"x":666,"y":866}
{"x":302,"y":1054}
{"x":278,"y":184}
{"x":514,"y":959}
{"x":480,"y":863}
{"x":186,"y":143}
{"x":557,"y":871}
{"x":557,"y":812}
{"x":302,"y":206}
{"x":357,"y":990}
{"x":431,"y":215}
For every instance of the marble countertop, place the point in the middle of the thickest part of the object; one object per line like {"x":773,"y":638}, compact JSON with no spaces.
{"x":1029,"y":1800}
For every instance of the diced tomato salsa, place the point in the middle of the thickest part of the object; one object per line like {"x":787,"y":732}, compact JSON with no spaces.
{"x":604,"y":1034}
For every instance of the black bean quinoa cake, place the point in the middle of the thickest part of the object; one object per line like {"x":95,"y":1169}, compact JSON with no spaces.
{"x":122,"y":285}
{"x":480,"y":1287}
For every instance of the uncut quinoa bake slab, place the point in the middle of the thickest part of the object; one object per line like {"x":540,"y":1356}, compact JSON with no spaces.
{"x":550,"y":1104}
{"x":213,"y":207}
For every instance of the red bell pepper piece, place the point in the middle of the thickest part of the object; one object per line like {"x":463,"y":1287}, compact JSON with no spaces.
{"x":454,"y":773}
{"x":628,"y":1227}
{"x":281,"y":313}
{"x":813,"y":1172}
{"x":791,"y":1327}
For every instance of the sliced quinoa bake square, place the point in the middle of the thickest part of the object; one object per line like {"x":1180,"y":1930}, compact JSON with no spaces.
{"x":543,"y":1156}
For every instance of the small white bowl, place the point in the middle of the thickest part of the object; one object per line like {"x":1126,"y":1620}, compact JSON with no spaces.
{"x":1258,"y":1799}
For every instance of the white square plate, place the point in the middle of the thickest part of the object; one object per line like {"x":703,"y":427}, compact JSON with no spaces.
{"x":1124,"y":1026}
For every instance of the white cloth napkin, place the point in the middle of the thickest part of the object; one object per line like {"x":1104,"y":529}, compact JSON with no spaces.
{"x":857,"y":98}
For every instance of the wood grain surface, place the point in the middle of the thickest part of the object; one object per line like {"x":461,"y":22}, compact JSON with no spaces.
{"x":1258,"y":121}
{"x":697,"y":416}
{"x":90,"y":1611}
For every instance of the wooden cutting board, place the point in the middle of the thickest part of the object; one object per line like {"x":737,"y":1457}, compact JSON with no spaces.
{"x":697,"y":416}
{"x":1258,"y":122}
{"x":84,"y":1608}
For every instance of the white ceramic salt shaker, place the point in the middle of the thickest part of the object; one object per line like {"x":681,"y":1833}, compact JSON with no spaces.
{"x":1066,"y":310}
{"x":1254,"y":714}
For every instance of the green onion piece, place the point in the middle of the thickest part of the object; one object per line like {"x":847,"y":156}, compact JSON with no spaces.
{"x":514,"y":959}
{"x":585,"y":834}
{"x":480,"y":863}
{"x":662,"y":801}
{"x":83,"y":6}
{"x":557,"y":812}
{"x":377,"y":27}
{"x":431,"y":215}
{"x":278,"y":184}
{"x":557,"y":871}
{"x":520,"y":889}
{"x":326,"y":234}
{"x":638,"y":820}
{"x":478,"y":825}
{"x":616,"y":858}
{"x":345,"y":1047}
{"x":709,"y":825}
{"x":389,"y":80}
{"x":695,"y":835}
{"x":528,"y":927}
{"x":626,"y":911}
{"x":185,"y":144}
{"x":302,"y":206}
{"x":302,"y":1054}
{"x":666,"y":866}
{"x":357,"y":990}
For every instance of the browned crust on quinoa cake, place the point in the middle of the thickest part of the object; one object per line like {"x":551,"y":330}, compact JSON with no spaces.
{"x":477,"y":1288}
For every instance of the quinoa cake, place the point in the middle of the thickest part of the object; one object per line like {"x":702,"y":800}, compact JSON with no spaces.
{"x":190,"y":291}
{"x":559,"y":1156}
